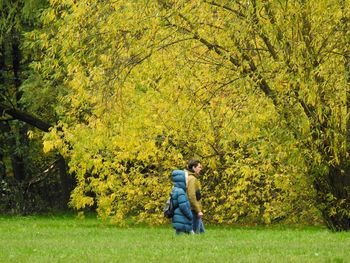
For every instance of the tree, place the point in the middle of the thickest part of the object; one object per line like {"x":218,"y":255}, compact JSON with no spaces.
{"x":11,"y":79}
{"x":20,"y":156}
{"x":257,"y":89}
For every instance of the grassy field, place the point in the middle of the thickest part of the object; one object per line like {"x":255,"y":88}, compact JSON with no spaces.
{"x":67,"y":239}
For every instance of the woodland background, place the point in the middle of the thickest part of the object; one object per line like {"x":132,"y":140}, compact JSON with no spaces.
{"x":100,"y":100}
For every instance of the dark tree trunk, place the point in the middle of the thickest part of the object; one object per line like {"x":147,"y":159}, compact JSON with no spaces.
{"x":2,"y":70}
{"x":17,"y":158}
{"x":66,"y":183}
{"x":16,"y":64}
{"x":16,"y":163}
{"x":2,"y":91}
{"x":333,"y":196}
{"x":2,"y":166}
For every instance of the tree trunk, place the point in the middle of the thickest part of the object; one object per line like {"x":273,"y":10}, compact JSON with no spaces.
{"x":17,"y":158}
{"x":16,"y":60}
{"x":333,"y":196}
{"x":2,"y":166}
{"x":65,"y":182}
{"x":2,"y":70}
{"x":2,"y":91}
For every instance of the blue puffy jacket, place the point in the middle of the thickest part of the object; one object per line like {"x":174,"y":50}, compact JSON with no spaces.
{"x":182,"y":219}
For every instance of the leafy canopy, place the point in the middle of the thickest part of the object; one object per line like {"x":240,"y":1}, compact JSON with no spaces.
{"x":252,"y":88}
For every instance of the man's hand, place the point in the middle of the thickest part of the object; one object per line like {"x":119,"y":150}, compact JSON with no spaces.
{"x":200,"y":214}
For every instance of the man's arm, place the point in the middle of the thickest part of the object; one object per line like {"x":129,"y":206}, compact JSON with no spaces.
{"x":191,"y":192}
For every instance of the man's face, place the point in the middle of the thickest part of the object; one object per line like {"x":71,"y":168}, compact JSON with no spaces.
{"x":197,"y":169}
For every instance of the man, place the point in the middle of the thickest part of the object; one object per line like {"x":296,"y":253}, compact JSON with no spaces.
{"x":194,"y":195}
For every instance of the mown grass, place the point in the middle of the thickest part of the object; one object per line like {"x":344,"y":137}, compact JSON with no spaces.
{"x":67,"y":239}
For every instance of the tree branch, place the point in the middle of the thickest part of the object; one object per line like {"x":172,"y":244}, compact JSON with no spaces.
{"x":25,"y":117}
{"x":226,"y":7}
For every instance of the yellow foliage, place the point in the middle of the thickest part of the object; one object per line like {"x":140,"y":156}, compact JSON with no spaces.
{"x":146,"y":90}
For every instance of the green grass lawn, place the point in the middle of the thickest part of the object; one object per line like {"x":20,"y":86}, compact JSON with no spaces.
{"x":67,"y":239}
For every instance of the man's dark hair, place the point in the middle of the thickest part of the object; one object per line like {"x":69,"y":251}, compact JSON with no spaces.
{"x":192,"y":163}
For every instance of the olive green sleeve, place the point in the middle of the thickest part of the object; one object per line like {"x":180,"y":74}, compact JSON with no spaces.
{"x":191,"y":192}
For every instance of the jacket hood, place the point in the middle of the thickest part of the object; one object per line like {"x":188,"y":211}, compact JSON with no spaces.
{"x":179,"y":179}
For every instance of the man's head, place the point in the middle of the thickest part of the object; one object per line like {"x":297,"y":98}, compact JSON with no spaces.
{"x":194,"y":166}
